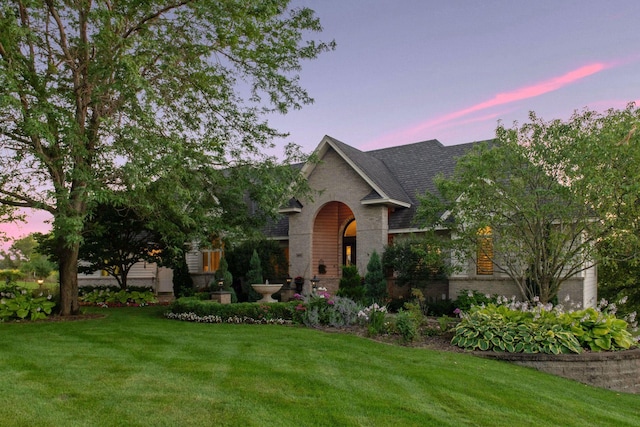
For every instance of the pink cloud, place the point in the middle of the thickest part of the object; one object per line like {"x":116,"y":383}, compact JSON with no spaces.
{"x":522,"y":93}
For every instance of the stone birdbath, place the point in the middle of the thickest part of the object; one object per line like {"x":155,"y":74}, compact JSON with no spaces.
{"x":266,"y":290}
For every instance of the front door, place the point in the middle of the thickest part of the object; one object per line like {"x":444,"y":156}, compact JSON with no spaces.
{"x":349,"y":250}
{"x":349,"y":244}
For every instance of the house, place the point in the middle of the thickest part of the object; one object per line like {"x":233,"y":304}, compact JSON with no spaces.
{"x":362,"y":202}
{"x":367,"y":200}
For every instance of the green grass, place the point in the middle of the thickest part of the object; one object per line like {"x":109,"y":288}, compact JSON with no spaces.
{"x":134,"y":368}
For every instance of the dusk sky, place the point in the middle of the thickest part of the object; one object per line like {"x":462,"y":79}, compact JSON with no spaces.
{"x":411,"y":70}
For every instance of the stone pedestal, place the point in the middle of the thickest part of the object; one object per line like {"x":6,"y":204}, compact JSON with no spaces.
{"x":287,"y":294}
{"x":222,"y":297}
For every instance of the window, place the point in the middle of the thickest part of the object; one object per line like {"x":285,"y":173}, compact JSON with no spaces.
{"x":211,"y":260}
{"x":484,"y":265}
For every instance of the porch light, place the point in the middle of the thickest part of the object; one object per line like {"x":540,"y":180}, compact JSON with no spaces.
{"x":220,"y":284}
{"x":314,"y":283}
{"x":289,"y":279}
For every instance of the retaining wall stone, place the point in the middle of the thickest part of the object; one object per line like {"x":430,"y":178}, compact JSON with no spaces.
{"x":613,"y":370}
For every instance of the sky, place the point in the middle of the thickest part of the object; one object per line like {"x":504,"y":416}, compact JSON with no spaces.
{"x":406,"y":71}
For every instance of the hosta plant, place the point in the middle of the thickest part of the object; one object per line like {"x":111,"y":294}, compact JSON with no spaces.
{"x":541,"y":330}
{"x":106,"y":297}
{"x":17,"y":303}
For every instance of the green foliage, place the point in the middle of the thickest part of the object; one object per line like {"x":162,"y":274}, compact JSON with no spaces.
{"x":599,"y":331}
{"x":28,"y":256}
{"x":440,"y":307}
{"x":550,"y":192}
{"x":17,"y":304}
{"x":182,"y":281}
{"x":110,"y":298}
{"x":227,"y":278}
{"x":115,"y":238}
{"x":406,"y":325}
{"x":374,"y":317}
{"x":273,"y":261}
{"x":325,"y":309}
{"x":194,"y":124}
{"x":409,"y":320}
{"x":501,"y":328}
{"x":350,"y":285}
{"x":619,"y":276}
{"x":417,"y":304}
{"x":415,"y":261}
{"x":233,"y":313}
{"x":469,"y":298}
{"x":11,"y":275}
{"x":375,"y":284}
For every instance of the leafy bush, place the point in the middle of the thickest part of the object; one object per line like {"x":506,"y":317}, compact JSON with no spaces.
{"x":351,"y":283}
{"x":17,"y":303}
{"x":11,"y":275}
{"x":324,"y":309}
{"x":440,"y":307}
{"x":107,"y":297}
{"x":468,"y":299}
{"x":519,"y":328}
{"x":407,"y":325}
{"x":374,"y":318}
{"x":233,"y":313}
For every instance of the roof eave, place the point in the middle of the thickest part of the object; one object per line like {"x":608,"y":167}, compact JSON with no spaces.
{"x":386,"y":201}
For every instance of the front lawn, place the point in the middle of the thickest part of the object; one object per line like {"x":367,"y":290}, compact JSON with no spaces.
{"x":136,"y":368}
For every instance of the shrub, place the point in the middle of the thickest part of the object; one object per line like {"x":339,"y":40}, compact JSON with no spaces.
{"x":231,"y":313}
{"x":440,"y":307}
{"x":406,"y":325}
{"x":11,"y":275}
{"x":351,"y":283}
{"x":182,"y":280}
{"x":468,"y":299}
{"x":225,"y":275}
{"x":324,"y":309}
{"x":17,"y":303}
{"x":254,"y":276}
{"x":375,"y":284}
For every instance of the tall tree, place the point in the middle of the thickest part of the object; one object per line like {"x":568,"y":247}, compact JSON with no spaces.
{"x":111,"y":95}
{"x":536,"y":194}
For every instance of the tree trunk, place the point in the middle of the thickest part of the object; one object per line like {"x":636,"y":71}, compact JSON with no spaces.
{"x":69,"y":280}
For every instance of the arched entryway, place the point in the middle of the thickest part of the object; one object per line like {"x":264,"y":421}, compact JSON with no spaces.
{"x":334,"y":241}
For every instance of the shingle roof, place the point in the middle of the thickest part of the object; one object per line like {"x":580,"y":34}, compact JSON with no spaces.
{"x":401,"y":173}
{"x":415,"y":166}
{"x":375,"y":169}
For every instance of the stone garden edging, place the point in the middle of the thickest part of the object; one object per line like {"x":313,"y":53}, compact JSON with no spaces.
{"x":613,"y":370}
